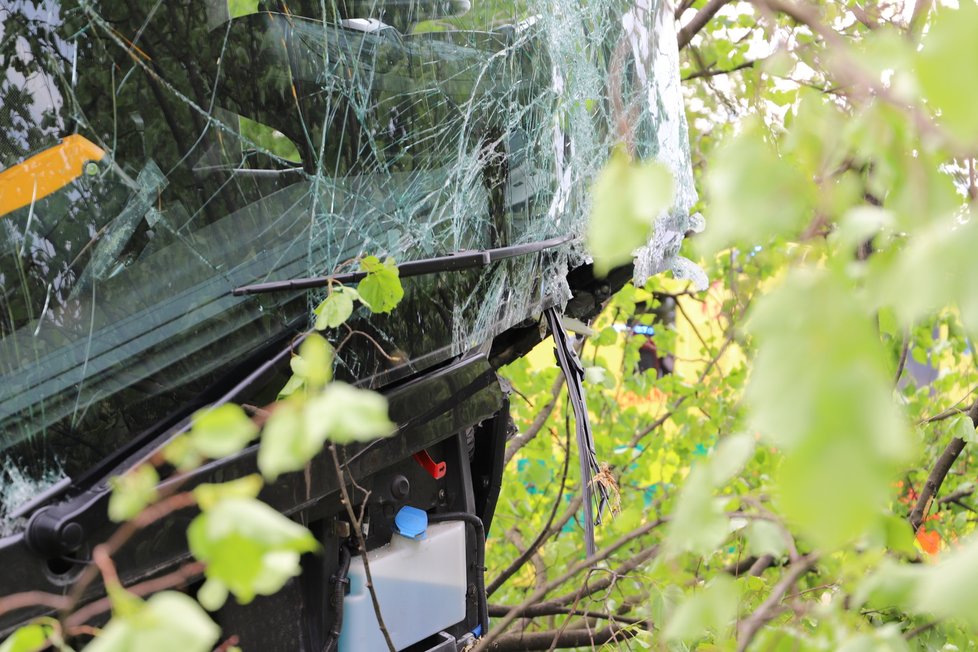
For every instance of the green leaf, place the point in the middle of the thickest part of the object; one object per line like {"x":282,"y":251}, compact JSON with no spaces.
{"x":381,"y":290}
{"x":820,"y":390}
{"x":962,"y":427}
{"x":893,"y":585}
{"x":698,"y":524}
{"x":221,"y":431}
{"x":167,"y":621}
{"x":132,"y":492}
{"x":249,"y":548}
{"x":946,"y":71}
{"x":212,"y":595}
{"x":949,"y":589}
{"x":626,"y":199}
{"x":28,"y":638}
{"x":296,"y":432}
{"x":754,"y":193}
{"x":765,"y":538}
{"x":182,"y":454}
{"x":209,"y":494}
{"x":283,"y":444}
{"x":238,"y":8}
{"x":333,"y":310}
{"x":730,"y":456}
{"x":936,"y":269}
{"x":711,"y":609}
{"x":343,"y":414}
{"x":314,"y":364}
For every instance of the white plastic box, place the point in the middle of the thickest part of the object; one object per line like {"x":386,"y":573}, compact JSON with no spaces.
{"x":420,"y":586}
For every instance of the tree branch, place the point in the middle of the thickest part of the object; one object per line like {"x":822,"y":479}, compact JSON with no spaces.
{"x":534,"y":597}
{"x":548,"y":530}
{"x":571,"y":638}
{"x":521,"y":440}
{"x":699,"y":21}
{"x":546,"y":609}
{"x":748,"y":628}
{"x":713,"y":72}
{"x":362,"y":546}
{"x":938,"y":473}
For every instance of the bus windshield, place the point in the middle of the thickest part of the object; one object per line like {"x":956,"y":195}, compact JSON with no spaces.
{"x":156,"y":155}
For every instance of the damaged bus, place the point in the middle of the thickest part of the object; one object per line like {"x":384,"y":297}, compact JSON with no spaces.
{"x":178,"y":177}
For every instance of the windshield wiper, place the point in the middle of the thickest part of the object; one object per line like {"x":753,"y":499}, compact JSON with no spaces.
{"x":452,"y":262}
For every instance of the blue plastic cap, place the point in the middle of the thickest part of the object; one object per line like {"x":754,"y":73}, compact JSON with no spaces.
{"x":411,"y":522}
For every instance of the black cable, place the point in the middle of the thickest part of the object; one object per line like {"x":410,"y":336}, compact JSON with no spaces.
{"x":340,"y":580}
{"x":480,"y":559}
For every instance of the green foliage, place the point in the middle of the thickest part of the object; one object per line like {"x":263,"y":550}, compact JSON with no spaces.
{"x":336,"y":308}
{"x":221,"y":431}
{"x":249,"y":548}
{"x":946,"y":72}
{"x":167,"y":621}
{"x":627,"y":197}
{"x":820,"y":380}
{"x":714,"y":607}
{"x":132,"y":492}
{"x":35,"y":636}
{"x":381,"y":289}
{"x":340,"y":413}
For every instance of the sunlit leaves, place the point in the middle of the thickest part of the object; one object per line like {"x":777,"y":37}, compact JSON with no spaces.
{"x":249,"y":548}
{"x":947,"y":73}
{"x":950,"y":588}
{"x":220,"y":431}
{"x":32,"y":637}
{"x":937,"y":268}
{"x":765,"y":538}
{"x":297,"y":430}
{"x":167,"y":621}
{"x":208,"y":494}
{"x":336,"y":308}
{"x":819,"y":390}
{"x":754,"y":193}
{"x":626,"y":199}
{"x":344,"y":414}
{"x":314,"y":364}
{"x":381,"y":289}
{"x":132,"y":492}
{"x":710,"y":609}
{"x":698,"y":523}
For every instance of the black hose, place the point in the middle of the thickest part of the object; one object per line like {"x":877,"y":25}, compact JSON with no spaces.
{"x":480,"y":559}
{"x":339,"y":581}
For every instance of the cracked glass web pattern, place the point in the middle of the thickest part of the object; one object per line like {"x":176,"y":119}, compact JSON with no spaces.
{"x":155,"y":155}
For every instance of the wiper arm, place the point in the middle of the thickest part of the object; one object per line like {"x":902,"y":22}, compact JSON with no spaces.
{"x":450,"y":263}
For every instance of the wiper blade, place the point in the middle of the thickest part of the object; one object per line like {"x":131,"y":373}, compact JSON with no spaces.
{"x":452,"y":262}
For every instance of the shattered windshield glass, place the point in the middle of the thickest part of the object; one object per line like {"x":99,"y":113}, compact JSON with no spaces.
{"x":156,"y":155}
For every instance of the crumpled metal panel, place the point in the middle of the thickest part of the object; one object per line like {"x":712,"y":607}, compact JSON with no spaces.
{"x":217,"y":143}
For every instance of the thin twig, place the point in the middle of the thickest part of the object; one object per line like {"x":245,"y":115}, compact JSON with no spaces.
{"x":767,"y":610}
{"x":714,"y":72}
{"x":521,"y":440}
{"x":917,"y":631}
{"x":355,"y":524}
{"x":534,"y":597}
{"x":548,"y":530}
{"x":177,"y":578}
{"x":126,"y":531}
{"x":904,"y":350}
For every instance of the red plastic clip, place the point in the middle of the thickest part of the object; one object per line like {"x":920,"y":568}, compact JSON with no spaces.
{"x":435,"y":469}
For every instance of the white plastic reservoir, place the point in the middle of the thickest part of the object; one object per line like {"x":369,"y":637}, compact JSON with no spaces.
{"x":420,"y":585}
